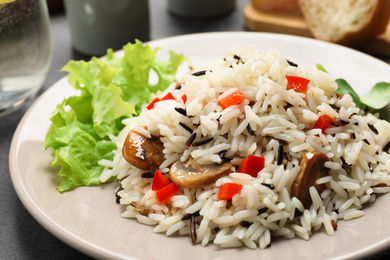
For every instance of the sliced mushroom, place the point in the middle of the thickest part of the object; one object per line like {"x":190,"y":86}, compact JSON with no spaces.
{"x":193,"y":175}
{"x":312,"y":168}
{"x":143,"y":152}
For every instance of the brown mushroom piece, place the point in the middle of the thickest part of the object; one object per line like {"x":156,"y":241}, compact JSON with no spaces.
{"x":143,"y":152}
{"x":312,"y":168}
{"x":191,"y":174}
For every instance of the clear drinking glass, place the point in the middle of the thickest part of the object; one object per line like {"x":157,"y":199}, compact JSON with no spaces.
{"x":25,"y":51}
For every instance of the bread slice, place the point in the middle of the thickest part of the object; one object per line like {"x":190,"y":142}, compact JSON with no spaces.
{"x":347,"y":22}
{"x":277,"y":6}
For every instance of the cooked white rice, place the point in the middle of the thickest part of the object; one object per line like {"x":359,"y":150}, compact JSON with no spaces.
{"x":275,"y":115}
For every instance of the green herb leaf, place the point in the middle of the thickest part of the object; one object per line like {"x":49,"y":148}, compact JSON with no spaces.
{"x":319,"y":67}
{"x":345,"y":88}
{"x":378,"y":97}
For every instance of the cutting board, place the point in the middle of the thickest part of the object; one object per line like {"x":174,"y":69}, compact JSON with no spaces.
{"x":296,"y":25}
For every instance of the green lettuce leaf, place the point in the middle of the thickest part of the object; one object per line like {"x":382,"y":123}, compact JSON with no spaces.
{"x":110,"y":90}
{"x":76,"y":151}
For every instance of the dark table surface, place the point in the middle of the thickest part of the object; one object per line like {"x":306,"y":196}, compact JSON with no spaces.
{"x":21,"y":236}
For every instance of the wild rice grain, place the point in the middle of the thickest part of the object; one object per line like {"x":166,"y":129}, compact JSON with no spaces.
{"x":193,"y":229}
{"x":188,"y":216}
{"x":353,"y":114}
{"x":339,"y":123}
{"x":335,"y":107}
{"x":186,"y":127}
{"x":291,"y":63}
{"x":190,"y":140}
{"x":347,"y":168}
{"x":203,"y":142}
{"x":147,"y":175}
{"x":373,"y":128}
{"x":199,"y":73}
{"x":262,"y":210}
{"x":249,"y":129}
{"x":221,"y":154}
{"x":181,"y":111}
{"x":387,"y":147}
{"x":117,"y":197}
{"x":280,"y":154}
{"x":283,"y":142}
{"x":228,"y":204}
{"x":270,"y":186}
{"x":238,"y":58}
{"x":370,"y":167}
{"x":245,"y":223}
{"x":178,"y":85}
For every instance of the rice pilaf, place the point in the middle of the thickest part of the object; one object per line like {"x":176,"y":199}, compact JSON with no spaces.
{"x":271,"y":122}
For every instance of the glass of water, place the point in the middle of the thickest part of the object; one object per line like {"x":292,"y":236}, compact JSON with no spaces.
{"x":25,"y":51}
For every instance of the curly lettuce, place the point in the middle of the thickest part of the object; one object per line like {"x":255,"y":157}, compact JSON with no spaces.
{"x":109,"y":90}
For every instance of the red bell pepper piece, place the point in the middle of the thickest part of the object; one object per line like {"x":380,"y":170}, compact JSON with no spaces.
{"x":151,"y":105}
{"x":233,"y":99}
{"x":159,"y":181}
{"x":184,"y":98}
{"x":298,"y":84}
{"x":323,"y":122}
{"x":166,"y":193}
{"x":168,"y":96}
{"x":252,"y":165}
{"x":228,"y":190}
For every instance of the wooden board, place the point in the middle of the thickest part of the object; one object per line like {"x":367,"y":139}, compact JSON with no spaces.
{"x":296,"y":25}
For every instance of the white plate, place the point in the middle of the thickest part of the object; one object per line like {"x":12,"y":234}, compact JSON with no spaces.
{"x":89,"y":219}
